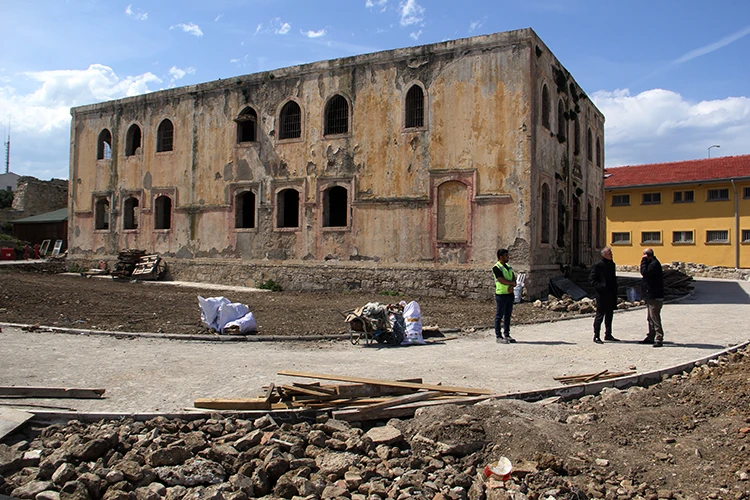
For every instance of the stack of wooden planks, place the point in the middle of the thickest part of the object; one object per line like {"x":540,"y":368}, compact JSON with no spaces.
{"x":591,"y":377}
{"x":360,"y":399}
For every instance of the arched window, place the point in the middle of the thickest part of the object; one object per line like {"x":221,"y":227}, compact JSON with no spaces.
{"x":244,"y":210}
{"x":545,"y":106}
{"x":247,"y":125}
{"x":589,"y":146}
{"x":453,"y":212}
{"x":133,"y":140}
{"x":101,"y":214}
{"x":598,"y":153}
{"x":560,"y":219}
{"x":335,"y":207}
{"x":560,"y":121}
{"x":130,"y":213}
{"x":414,"y":107}
{"x":290,"y":121}
{"x":163,"y":212}
{"x":287,"y":208}
{"x":576,"y":136}
{"x":165,"y":136}
{"x":104,"y":145}
{"x":590,"y":227}
{"x":337,"y":116}
{"x":545,"y":213}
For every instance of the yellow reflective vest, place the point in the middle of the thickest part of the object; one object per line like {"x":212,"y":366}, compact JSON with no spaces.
{"x":507,"y":271}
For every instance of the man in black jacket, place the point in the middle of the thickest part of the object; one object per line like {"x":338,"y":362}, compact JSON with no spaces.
{"x":603,"y":278}
{"x":652,"y":287}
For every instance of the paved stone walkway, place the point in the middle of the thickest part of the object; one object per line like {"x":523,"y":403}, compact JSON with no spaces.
{"x":145,"y":375}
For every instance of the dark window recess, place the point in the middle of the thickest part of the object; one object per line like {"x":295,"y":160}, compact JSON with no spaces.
{"x":560,"y":121}
{"x":577,"y":137}
{"x":247,"y":125}
{"x":598,"y":153}
{"x":133,"y":140}
{"x":620,"y":200}
{"x":415,"y":107}
{"x":165,"y":137}
{"x":290,"y":121}
{"x":560,"y":219}
{"x":590,"y":227}
{"x":101,"y":214}
{"x":746,"y":235}
{"x":335,"y":207}
{"x":545,"y":213}
{"x":650,"y":237}
{"x":651,"y":199}
{"x":245,"y":210}
{"x":589,"y":146}
{"x":683,"y":196}
{"x":337,"y":116}
{"x":682,"y":236}
{"x":287,"y":208}
{"x":104,"y":145}
{"x":545,"y":107}
{"x":719,"y":236}
{"x":621,"y":238}
{"x":598,"y":227}
{"x":746,"y":193}
{"x":718,"y":194}
{"x":163,"y":213}
{"x":130,"y":213}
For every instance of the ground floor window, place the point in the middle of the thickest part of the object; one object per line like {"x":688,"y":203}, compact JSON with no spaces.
{"x":335,"y":207}
{"x":130,"y":213}
{"x":101,"y":214}
{"x":650,"y":237}
{"x":682,"y":237}
{"x":719,"y":236}
{"x":621,"y":238}
{"x":163,"y":212}
{"x":244,"y":206}
{"x":287,"y":208}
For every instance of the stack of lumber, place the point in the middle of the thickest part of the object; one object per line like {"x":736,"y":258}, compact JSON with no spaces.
{"x":591,"y":377}
{"x":360,"y":399}
{"x":126,"y":263}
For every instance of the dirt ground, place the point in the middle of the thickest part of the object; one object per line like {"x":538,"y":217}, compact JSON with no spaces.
{"x":104,"y":304}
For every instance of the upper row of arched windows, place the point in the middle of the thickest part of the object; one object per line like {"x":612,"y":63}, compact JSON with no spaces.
{"x":336,"y":122}
{"x":546,"y":121}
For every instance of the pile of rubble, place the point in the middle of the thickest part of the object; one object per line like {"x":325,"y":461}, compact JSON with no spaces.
{"x":584,"y":306}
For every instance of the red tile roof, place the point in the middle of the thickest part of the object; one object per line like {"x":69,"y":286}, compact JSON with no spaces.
{"x":709,"y":169}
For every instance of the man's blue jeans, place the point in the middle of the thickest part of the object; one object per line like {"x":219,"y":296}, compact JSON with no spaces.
{"x":504,"y":311}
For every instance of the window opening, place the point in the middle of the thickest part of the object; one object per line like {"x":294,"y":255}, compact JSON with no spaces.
{"x":746,"y":236}
{"x":746,"y":193}
{"x":577,"y":136}
{"x":620,"y":238}
{"x":650,"y":237}
{"x":101,"y":214}
{"x":415,"y":107}
{"x":589,"y":146}
{"x":717,"y":236}
{"x":682,"y":237}
{"x":335,"y":207}
{"x":244,"y":210}
{"x":545,"y":107}
{"x":163,"y":213}
{"x":104,"y":145}
{"x":718,"y":194}
{"x":130,"y":213}
{"x":560,"y":121}
{"x":598,"y":227}
{"x":133,"y":140}
{"x":620,"y":200}
{"x":247,"y":125}
{"x":598,"y":153}
{"x":590,"y":227}
{"x":545,"y":213}
{"x":290,"y":121}
{"x":165,"y":136}
{"x":287,"y":202}
{"x":453,"y":212}
{"x":683,"y":196}
{"x":337,"y":116}
{"x":651,"y":199}
{"x":560,"y":219}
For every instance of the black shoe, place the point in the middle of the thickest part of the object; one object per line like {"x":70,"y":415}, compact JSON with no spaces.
{"x":510,"y":339}
{"x":597,"y":340}
{"x":610,"y":338}
{"x":501,"y":340}
{"x":657,"y":344}
{"x":647,"y":340}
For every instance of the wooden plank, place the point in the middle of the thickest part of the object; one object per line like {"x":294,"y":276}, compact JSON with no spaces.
{"x":387,"y":383}
{"x":406,"y":410}
{"x":595,"y":376}
{"x":51,"y":392}
{"x":302,"y":390}
{"x":399,"y":400}
{"x":11,"y":419}
{"x":233,"y":404}
{"x":316,"y":386}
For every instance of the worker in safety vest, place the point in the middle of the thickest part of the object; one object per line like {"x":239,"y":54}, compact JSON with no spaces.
{"x":505,"y":282}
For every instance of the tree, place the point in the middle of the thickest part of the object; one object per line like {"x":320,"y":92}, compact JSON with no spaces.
{"x":6,"y":199}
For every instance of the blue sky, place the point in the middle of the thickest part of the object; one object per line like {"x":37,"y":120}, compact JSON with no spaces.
{"x":671,"y":77}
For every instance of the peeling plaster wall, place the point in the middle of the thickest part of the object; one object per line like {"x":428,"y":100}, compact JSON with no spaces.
{"x":481,"y":130}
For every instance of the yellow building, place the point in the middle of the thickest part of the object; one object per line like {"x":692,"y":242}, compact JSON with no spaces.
{"x":690,"y":211}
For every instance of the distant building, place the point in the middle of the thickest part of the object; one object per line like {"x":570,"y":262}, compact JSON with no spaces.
{"x":689,"y":211}
{"x":403,"y":170}
{"x":9,"y":181}
{"x":51,"y":226}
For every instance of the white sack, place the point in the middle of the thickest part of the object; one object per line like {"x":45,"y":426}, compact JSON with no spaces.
{"x":231,"y":312}
{"x":413,"y":319}
{"x":210,"y":310}
{"x":245,"y":324}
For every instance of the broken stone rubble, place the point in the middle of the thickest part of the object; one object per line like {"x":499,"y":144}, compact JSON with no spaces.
{"x":586,"y":305}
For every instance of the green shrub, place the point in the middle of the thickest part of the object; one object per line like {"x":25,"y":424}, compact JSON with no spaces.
{"x":269,"y":285}
{"x":390,"y":293}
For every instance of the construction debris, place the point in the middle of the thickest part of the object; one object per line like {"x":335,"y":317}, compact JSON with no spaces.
{"x":50,"y":392}
{"x":361,"y":399}
{"x":136,"y":264}
{"x":591,"y":377}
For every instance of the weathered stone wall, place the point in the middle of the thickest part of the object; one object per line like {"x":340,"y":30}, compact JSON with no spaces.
{"x":701,"y":271}
{"x":34,"y":196}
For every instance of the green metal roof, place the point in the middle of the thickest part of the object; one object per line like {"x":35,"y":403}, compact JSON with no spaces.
{"x":56,"y":216}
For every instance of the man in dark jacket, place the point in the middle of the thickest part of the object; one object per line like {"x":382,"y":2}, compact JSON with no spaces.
{"x":604,"y":280}
{"x":652,"y":287}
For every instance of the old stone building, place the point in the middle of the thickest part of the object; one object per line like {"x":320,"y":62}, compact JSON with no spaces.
{"x":398,"y":170}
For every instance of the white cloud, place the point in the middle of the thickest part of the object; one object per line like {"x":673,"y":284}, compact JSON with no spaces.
{"x":707,"y":49}
{"x":137,"y":14}
{"x":660,"y":125}
{"x":275,"y":27}
{"x":411,"y":12}
{"x":216,"y":19}
{"x":415,"y":35}
{"x":381,"y":4}
{"x":283,"y":29}
{"x":314,"y":34}
{"x":177,"y":73}
{"x":475,"y":25}
{"x":189,"y":28}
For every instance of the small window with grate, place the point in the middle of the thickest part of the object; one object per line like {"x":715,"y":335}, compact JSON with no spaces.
{"x":290,"y":121}
{"x":620,"y":200}
{"x":414,"y":107}
{"x":621,"y":238}
{"x":717,"y":236}
{"x":651,"y":237}
{"x":682,"y":237}
{"x":247,"y":125}
{"x":718,"y":194}
{"x":746,"y":236}
{"x":651,"y":199}
{"x":337,"y":116}
{"x":746,"y":193}
{"x":684,"y":197}
{"x":165,"y":136}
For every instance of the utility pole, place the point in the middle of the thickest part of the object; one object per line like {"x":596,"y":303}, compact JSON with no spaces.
{"x":7,"y":150}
